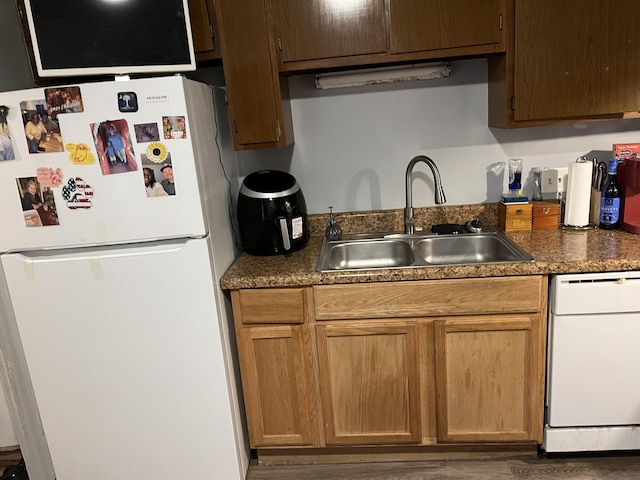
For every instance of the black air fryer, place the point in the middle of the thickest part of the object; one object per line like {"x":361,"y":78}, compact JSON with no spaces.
{"x":272,"y":214}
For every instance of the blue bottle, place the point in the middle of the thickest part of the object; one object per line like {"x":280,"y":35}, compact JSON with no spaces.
{"x":610,"y":199}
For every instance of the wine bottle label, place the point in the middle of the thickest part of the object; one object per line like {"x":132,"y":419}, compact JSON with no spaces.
{"x":609,"y":210}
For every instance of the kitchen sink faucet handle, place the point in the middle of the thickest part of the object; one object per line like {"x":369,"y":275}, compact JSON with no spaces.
{"x":474,"y":226}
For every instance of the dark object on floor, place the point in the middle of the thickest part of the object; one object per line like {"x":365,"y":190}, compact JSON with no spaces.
{"x":15,"y":472}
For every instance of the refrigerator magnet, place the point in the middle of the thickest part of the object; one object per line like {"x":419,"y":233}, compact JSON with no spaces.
{"x":156,"y":152}
{"x":38,"y":203}
{"x":41,"y":131}
{"x":146,"y":132}
{"x":6,"y":146}
{"x":77,"y":193}
{"x":113,"y":145}
{"x":48,"y":177}
{"x":80,"y":154}
{"x":158,"y":177}
{"x":174,"y":128}
{"x":127,"y":102}
{"x":63,"y":100}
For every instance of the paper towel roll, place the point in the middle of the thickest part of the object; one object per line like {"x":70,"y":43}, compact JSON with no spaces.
{"x":576,"y":213}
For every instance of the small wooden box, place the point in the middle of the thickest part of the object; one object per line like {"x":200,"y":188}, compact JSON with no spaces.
{"x":514,"y":217}
{"x":546,"y":215}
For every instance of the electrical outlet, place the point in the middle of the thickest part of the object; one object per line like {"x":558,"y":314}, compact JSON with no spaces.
{"x":554,"y":180}
{"x":563,"y":177}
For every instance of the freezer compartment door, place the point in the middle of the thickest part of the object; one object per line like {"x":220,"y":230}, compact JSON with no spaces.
{"x":124,"y":351}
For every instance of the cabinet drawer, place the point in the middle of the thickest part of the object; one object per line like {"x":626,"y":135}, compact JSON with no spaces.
{"x":270,"y":305}
{"x":430,"y":298}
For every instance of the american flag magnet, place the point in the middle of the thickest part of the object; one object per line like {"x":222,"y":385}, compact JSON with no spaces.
{"x":77,"y":193}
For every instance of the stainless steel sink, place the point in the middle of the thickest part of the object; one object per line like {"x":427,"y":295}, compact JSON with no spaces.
{"x":370,"y":252}
{"x":463,"y":249}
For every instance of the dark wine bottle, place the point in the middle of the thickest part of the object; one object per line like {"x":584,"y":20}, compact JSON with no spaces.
{"x":610,"y":199}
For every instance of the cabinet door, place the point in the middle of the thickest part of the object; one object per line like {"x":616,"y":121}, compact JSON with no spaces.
{"x":258,"y":101}
{"x":626,"y":45}
{"x":315,"y":29}
{"x":489,"y":379}
{"x":438,"y":24}
{"x":564,"y":64}
{"x":279,"y":385}
{"x":203,"y":28}
{"x":369,"y":383}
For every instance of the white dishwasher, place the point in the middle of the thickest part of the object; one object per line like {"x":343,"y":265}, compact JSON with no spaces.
{"x":593,"y":363}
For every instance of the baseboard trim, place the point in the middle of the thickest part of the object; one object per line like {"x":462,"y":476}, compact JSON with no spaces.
{"x":307,"y":456}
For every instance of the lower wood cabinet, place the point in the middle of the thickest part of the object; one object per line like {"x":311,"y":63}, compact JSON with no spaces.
{"x":453,"y":362}
{"x":369,"y":383}
{"x":278,"y":380}
{"x":489,"y":379}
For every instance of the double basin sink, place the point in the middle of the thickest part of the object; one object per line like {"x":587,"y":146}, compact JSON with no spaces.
{"x":369,"y":252}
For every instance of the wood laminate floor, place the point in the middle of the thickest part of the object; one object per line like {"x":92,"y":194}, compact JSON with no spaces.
{"x":525,"y":468}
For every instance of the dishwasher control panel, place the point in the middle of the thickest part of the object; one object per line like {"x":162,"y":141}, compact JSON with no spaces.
{"x":589,"y":293}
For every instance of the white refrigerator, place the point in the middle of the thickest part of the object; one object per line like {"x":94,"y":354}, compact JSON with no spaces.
{"x":115,"y":209}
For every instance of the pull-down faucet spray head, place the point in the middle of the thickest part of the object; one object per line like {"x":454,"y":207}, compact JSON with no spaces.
{"x":409,"y":222}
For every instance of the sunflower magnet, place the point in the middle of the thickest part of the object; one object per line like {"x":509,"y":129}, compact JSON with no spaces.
{"x":156,"y":152}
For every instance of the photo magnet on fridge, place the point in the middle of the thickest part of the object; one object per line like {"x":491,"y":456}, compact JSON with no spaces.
{"x":158,"y":171}
{"x":38,"y":203}
{"x":146,"y":132}
{"x":6,"y":147}
{"x":41,"y":131}
{"x":63,"y":100}
{"x":174,"y":128}
{"x":113,"y":144}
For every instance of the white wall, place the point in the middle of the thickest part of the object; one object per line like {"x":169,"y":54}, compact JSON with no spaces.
{"x":352,"y":145}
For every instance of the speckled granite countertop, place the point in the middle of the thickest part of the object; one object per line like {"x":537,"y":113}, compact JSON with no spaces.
{"x":555,"y":251}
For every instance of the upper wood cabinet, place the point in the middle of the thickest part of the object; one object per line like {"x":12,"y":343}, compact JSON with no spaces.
{"x":264,"y":40}
{"x":566,"y":61}
{"x":626,"y":45}
{"x":323,"y":34}
{"x":314,"y":29}
{"x":417,"y":25}
{"x":203,"y":30}
{"x":258,"y":100}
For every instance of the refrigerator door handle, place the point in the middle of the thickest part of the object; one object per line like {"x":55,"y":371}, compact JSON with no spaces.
{"x":125,"y":250}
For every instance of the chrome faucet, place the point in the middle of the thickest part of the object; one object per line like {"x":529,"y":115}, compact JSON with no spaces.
{"x":409,"y":222}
